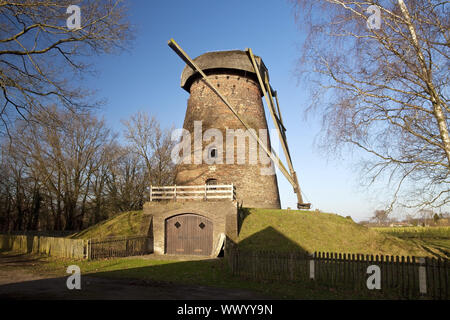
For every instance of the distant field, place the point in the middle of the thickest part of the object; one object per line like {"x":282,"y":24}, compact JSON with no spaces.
{"x":433,"y":239}
{"x":416,"y":232}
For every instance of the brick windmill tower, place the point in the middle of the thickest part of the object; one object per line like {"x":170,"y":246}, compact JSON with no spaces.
{"x":228,"y":152}
{"x":236,"y":157}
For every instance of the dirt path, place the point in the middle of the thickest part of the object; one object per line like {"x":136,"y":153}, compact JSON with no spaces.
{"x":18,"y":281}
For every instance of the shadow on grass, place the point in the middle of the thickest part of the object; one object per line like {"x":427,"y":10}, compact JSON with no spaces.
{"x":144,"y":279}
{"x":270,"y":239}
{"x":243,"y":213}
{"x":139,"y":278}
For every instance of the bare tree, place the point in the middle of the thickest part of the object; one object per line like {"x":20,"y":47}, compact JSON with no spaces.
{"x":63,"y":159}
{"x":153,"y":145}
{"x":426,"y":215}
{"x":65,"y":171}
{"x":384,"y":90}
{"x":380,"y":216}
{"x":141,"y":132}
{"x":163,"y":166}
{"x":127,"y":181}
{"x":41,"y":58}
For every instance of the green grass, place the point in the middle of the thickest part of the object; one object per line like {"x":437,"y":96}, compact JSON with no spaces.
{"x":432,"y":239}
{"x":286,"y":230}
{"x":416,"y":232}
{"x":123,"y":224}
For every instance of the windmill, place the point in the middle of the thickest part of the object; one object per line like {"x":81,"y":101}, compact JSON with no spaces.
{"x":271,"y":98}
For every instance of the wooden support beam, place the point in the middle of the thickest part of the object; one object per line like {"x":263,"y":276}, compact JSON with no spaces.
{"x":271,"y":109}
{"x":267,"y":92}
{"x":281,"y":128}
{"x":277,"y":117}
{"x":278,"y":107}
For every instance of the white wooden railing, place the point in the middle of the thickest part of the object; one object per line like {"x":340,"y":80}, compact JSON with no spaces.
{"x":203,"y":192}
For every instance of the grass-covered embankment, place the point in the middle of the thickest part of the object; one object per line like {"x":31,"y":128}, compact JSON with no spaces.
{"x":285,"y":230}
{"x":122,"y":225}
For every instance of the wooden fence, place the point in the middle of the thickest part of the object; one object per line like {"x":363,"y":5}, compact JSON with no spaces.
{"x":407,"y":277}
{"x":51,"y":246}
{"x":77,"y":248}
{"x":119,"y":247}
{"x":46,"y":233}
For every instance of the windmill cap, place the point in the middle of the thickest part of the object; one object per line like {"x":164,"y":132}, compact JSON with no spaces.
{"x":221,"y":61}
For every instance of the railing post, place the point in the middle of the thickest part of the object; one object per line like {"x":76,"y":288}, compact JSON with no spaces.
{"x":232,"y":191}
{"x":206,"y":192}
{"x":151,"y":193}
{"x":175,"y":193}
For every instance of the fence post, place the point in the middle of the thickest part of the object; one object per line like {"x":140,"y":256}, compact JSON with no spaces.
{"x":422,"y":277}
{"x":206,"y":191}
{"x":291,"y":265}
{"x":312,"y":273}
{"x":150,"y":193}
{"x":254,"y":264}
{"x":88,"y":246}
{"x":175,"y":193}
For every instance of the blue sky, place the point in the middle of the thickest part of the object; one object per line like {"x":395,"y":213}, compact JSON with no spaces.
{"x":147,"y":78}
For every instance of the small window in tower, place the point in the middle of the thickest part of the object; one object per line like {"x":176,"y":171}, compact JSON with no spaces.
{"x":213,"y":153}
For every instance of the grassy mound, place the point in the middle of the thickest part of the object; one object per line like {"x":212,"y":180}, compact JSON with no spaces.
{"x":286,"y":230}
{"x":282,"y":230}
{"x":123,"y":224}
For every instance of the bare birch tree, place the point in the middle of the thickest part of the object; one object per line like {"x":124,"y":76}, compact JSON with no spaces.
{"x":380,"y":82}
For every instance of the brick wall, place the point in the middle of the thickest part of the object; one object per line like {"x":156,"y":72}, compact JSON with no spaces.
{"x":223,"y":214}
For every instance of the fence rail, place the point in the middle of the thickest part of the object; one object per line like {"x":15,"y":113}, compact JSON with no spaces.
{"x":119,"y":247}
{"x":204,"y":192}
{"x":408,"y":277}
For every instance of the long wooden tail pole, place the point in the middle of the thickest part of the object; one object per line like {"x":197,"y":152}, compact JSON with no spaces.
{"x":183,"y":55}
{"x":266,"y":89}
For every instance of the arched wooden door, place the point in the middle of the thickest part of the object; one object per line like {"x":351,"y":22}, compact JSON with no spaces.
{"x":189,"y":234}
